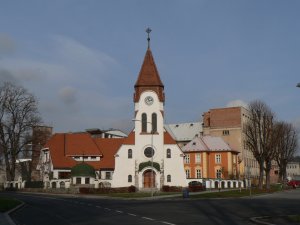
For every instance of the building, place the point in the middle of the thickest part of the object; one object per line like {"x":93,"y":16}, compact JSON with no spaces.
{"x":148,"y":158}
{"x":228,"y":124}
{"x":211,"y":159}
{"x":183,"y":133}
{"x":292,"y":171}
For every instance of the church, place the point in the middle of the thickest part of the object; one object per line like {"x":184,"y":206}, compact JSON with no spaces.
{"x":147,"y":158}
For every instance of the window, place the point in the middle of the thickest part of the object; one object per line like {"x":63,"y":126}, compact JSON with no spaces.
{"x":87,"y":180}
{"x":218,"y":158}
{"x":169,"y":178}
{"x":149,"y":152}
{"x":144,"y":122}
{"x":78,"y":180}
{"x":225,"y":132}
{"x":108,"y":175}
{"x":129,"y":153}
{"x":219,"y":174}
{"x":187,"y":172}
{"x":198,"y":158}
{"x":154,"y":122}
{"x":187,"y":159}
{"x":129,"y":178}
{"x":198,"y":173}
{"x":168,"y":153}
{"x":234,"y":159}
{"x":93,"y":157}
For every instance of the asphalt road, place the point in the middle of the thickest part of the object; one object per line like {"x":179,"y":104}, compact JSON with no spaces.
{"x":57,"y":210}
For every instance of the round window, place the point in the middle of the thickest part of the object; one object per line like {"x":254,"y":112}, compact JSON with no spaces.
{"x":149,"y":152}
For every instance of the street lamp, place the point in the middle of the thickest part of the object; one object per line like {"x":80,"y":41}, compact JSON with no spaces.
{"x":152,"y":153}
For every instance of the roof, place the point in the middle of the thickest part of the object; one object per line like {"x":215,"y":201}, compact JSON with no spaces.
{"x":148,"y":75}
{"x":109,"y":147}
{"x":83,"y":170}
{"x":184,"y":131}
{"x":168,"y":139}
{"x":206,"y":143}
{"x":80,"y":144}
{"x":149,"y":79}
{"x":64,"y":145}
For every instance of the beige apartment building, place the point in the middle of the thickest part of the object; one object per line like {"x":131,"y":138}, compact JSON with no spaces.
{"x":228,"y":124}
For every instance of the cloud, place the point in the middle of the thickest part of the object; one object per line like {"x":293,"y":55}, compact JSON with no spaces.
{"x":72,"y":52}
{"x":67,"y":95}
{"x":236,"y":103}
{"x":71,"y":82}
{"x":7,"y":44}
{"x":6,"y":76}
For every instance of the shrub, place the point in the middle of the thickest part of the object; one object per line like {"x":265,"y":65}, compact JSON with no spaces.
{"x":131,"y":189}
{"x":166,"y":188}
{"x":34,"y":184}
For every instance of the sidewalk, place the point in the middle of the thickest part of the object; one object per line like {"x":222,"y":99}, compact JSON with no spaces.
{"x":5,"y":219}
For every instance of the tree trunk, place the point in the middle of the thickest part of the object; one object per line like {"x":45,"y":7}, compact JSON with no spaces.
{"x":268,"y":178}
{"x":261,"y":175}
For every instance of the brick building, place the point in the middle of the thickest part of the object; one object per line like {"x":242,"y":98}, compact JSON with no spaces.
{"x":228,"y":124}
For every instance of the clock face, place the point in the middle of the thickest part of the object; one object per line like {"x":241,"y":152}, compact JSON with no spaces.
{"x":149,"y":100}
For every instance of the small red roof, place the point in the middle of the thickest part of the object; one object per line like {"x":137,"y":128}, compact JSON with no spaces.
{"x":109,"y":147}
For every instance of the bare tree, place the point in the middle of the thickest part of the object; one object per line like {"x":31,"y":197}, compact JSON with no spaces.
{"x":18,"y":114}
{"x":258,"y":137}
{"x":285,"y":146}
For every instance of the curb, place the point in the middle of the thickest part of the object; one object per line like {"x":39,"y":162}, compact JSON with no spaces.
{"x":257,"y":220}
{"x":6,"y":214}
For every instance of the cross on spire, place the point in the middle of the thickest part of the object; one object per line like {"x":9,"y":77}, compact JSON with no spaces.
{"x":148,"y":31}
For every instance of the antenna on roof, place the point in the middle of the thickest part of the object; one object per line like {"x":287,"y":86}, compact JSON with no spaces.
{"x":148,"y":31}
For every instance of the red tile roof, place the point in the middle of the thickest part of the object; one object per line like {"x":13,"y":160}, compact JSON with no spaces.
{"x":149,"y":79}
{"x":60,"y":144}
{"x":168,"y":138}
{"x":148,"y":75}
{"x":63,"y":146}
{"x":109,"y":147}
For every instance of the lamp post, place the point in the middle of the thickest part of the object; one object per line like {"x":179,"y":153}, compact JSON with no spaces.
{"x":152,"y":153}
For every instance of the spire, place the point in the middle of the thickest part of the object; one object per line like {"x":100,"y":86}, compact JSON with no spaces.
{"x":148,"y":78}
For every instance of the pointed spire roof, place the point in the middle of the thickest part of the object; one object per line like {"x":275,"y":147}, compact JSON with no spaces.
{"x":148,"y":75}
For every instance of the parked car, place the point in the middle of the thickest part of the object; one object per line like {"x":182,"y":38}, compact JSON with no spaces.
{"x":294,"y":183}
{"x":196,"y":186}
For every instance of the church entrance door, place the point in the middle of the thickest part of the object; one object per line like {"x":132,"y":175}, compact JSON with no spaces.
{"x":149,"y":179}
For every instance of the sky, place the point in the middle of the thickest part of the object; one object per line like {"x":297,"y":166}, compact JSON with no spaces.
{"x":81,"y":58}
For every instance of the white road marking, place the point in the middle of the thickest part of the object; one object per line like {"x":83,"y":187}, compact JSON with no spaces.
{"x":147,"y":218}
{"x":167,"y":223}
{"x":119,"y":211}
{"x":130,"y":214}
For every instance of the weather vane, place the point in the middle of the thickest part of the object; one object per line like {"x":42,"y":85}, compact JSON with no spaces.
{"x":148,"y":30}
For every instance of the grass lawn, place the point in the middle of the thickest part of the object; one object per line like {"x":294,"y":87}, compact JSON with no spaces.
{"x":139,"y":194}
{"x":294,"y":218}
{"x":8,"y":203}
{"x":233,"y":193}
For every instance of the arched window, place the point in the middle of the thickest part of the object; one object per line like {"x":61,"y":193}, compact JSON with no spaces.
{"x":154,"y":122}
{"x":129,"y":153}
{"x":168,"y":153}
{"x":144,"y":122}
{"x":169,"y":178}
{"x":129,"y":178}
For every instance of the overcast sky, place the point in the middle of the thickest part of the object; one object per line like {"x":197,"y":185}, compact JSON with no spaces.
{"x":81,"y":58}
